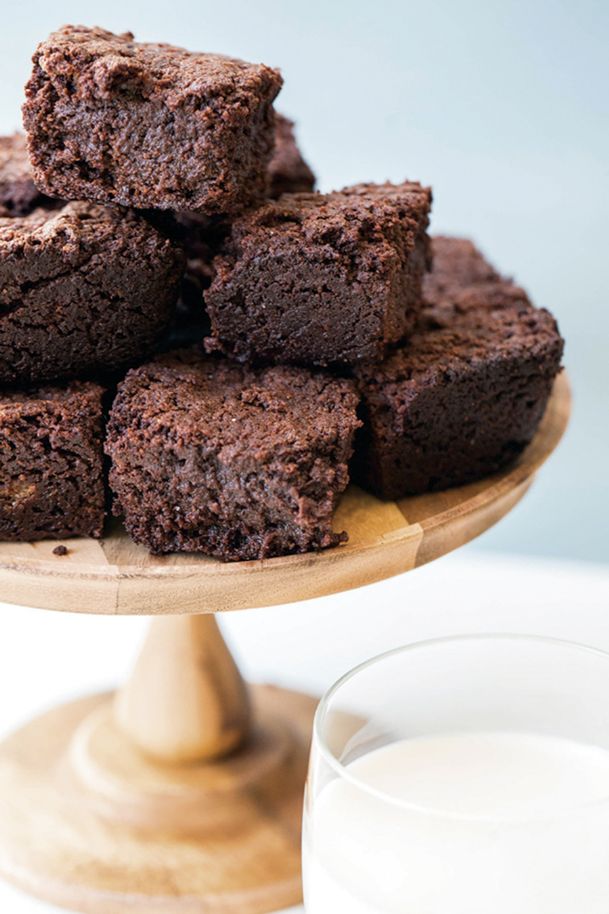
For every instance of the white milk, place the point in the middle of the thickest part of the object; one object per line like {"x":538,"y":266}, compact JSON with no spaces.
{"x":507,"y":823}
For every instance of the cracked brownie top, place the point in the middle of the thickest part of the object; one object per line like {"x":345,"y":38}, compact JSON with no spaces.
{"x":82,"y":288}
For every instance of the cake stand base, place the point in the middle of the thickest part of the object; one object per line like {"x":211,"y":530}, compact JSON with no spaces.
{"x":89,"y":823}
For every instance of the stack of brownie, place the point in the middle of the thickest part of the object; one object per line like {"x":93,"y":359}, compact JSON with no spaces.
{"x":175,"y":296}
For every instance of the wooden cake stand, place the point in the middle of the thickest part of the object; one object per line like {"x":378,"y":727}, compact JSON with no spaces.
{"x":183,"y":792}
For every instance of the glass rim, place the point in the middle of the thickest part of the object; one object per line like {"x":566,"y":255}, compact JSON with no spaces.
{"x":434,"y":812}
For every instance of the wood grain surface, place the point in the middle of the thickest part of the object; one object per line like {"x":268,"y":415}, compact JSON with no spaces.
{"x":89,"y":823}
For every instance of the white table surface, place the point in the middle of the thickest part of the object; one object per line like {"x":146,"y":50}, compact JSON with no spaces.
{"x":48,"y":657}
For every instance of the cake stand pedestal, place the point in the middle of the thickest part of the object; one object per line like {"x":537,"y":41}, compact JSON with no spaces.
{"x":182,"y":793}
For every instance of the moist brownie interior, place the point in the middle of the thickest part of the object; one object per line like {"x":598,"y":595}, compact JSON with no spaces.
{"x":51,"y":463}
{"x":147,"y":125}
{"x":214,"y":457}
{"x":322,"y":279}
{"x":83,"y":289}
{"x":466,"y":393}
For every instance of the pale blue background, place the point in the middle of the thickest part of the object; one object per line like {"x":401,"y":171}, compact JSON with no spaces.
{"x":502,"y":107}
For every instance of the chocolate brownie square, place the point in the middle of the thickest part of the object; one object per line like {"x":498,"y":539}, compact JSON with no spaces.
{"x":83,"y":289}
{"x":240,"y":463}
{"x":466,"y":393}
{"x":322,"y":279}
{"x":288,"y":171}
{"x":148,"y":125}
{"x":201,"y":236}
{"x":51,"y":463}
{"x":18,"y":193}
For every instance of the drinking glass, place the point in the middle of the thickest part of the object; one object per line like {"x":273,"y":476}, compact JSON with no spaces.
{"x":464,"y":775}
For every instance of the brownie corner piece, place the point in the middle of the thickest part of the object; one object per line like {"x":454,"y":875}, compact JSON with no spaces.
{"x":148,"y":125}
{"x":51,"y":463}
{"x":322,"y":279}
{"x":239,"y":463}
{"x":467,"y":392}
{"x":84,"y":289}
{"x":288,"y":172}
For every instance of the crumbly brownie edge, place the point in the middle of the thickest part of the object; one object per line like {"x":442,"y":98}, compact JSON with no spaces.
{"x":467,"y":392}
{"x":221,"y":128}
{"x":83,"y":290}
{"x":288,"y":171}
{"x":348,"y":263}
{"x":51,"y":463}
{"x":284,"y":502}
{"x":454,"y":431}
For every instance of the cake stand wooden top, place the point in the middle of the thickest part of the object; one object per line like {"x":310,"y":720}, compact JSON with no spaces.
{"x":113,"y":575}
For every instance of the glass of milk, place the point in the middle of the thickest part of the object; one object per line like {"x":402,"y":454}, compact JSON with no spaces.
{"x":462,"y":776}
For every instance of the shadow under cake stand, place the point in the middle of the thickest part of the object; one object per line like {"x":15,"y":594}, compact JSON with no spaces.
{"x":182,"y":793}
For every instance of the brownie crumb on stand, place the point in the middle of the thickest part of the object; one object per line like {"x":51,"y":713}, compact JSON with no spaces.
{"x":210,"y":456}
{"x":322,"y":279}
{"x":113,"y":120}
{"x":288,"y":171}
{"x":83,"y":289}
{"x":60,"y":550}
{"x":18,"y":192}
{"x":466,"y":393}
{"x":51,"y":463}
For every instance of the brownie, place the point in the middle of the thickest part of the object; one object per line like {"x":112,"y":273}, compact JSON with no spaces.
{"x":322,"y":279}
{"x":83,"y":289}
{"x":461,"y":279}
{"x":51,"y":463}
{"x":148,"y":125}
{"x":457,"y":263}
{"x":18,"y":193}
{"x":202,"y":236}
{"x":288,"y":171}
{"x":466,"y":393}
{"x":240,"y":463}
{"x":199,"y":237}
